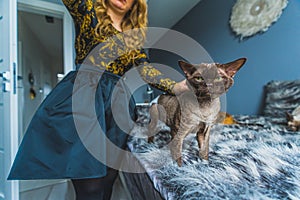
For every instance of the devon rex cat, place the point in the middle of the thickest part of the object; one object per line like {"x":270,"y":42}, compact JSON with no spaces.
{"x":194,"y":111}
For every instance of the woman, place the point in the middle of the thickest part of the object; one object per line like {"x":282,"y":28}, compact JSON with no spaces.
{"x":52,"y":148}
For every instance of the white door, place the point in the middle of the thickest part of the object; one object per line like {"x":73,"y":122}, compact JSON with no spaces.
{"x":9,"y":190}
{"x":8,"y":96}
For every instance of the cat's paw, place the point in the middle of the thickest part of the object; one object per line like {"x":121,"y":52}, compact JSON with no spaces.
{"x":203,"y":155}
{"x":151,"y":139}
{"x":179,"y":161}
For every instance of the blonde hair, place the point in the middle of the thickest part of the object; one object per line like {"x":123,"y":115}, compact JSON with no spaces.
{"x":135,"y":18}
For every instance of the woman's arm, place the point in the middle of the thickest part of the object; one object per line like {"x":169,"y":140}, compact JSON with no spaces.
{"x":157,"y":79}
{"x":85,"y":21}
{"x":83,"y":14}
{"x":78,"y":8}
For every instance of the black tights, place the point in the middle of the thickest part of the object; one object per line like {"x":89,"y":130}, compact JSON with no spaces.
{"x":95,"y":188}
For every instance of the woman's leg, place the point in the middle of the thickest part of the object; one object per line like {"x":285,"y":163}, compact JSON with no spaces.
{"x":95,"y":188}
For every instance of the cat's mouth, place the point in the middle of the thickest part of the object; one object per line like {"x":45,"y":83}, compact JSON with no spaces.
{"x":211,"y":92}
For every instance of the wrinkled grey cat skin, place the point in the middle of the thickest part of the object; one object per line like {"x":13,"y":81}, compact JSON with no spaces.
{"x":197,"y":110}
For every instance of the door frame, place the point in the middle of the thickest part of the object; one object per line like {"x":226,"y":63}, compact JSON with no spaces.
{"x":8,"y":54}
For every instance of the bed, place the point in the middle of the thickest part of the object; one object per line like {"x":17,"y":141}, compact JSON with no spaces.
{"x":258,"y":158}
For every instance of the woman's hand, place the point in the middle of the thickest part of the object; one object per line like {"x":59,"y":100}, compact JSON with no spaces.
{"x":180,"y":87}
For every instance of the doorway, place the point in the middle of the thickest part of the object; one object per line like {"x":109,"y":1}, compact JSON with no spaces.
{"x":44,"y":55}
{"x":40,"y":52}
{"x":40,"y":58}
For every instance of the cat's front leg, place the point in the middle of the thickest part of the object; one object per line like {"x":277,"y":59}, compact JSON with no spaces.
{"x":176,"y":145}
{"x":203,"y":141}
{"x":176,"y":149}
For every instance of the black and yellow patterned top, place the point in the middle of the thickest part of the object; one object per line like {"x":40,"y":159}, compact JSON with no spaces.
{"x":112,"y":55}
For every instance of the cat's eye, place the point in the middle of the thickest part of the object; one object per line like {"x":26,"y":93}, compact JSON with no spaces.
{"x":219,"y":78}
{"x":199,"y":78}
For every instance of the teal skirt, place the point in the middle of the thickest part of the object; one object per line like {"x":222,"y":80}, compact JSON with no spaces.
{"x":79,"y":130}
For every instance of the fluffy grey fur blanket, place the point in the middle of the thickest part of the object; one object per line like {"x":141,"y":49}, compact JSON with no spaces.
{"x":257,"y":161}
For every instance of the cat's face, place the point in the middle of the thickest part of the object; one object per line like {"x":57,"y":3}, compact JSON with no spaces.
{"x":211,"y":80}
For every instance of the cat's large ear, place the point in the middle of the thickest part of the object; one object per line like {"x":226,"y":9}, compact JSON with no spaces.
{"x":232,"y":67}
{"x":187,"y":68}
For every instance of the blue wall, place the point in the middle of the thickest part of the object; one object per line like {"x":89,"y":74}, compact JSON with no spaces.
{"x":273,"y":55}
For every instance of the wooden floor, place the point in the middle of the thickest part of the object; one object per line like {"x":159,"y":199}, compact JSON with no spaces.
{"x":65,"y":191}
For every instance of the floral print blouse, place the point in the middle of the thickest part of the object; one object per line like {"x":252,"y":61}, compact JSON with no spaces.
{"x":111,"y":54}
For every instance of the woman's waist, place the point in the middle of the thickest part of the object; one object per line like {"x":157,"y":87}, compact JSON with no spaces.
{"x":83,"y":68}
